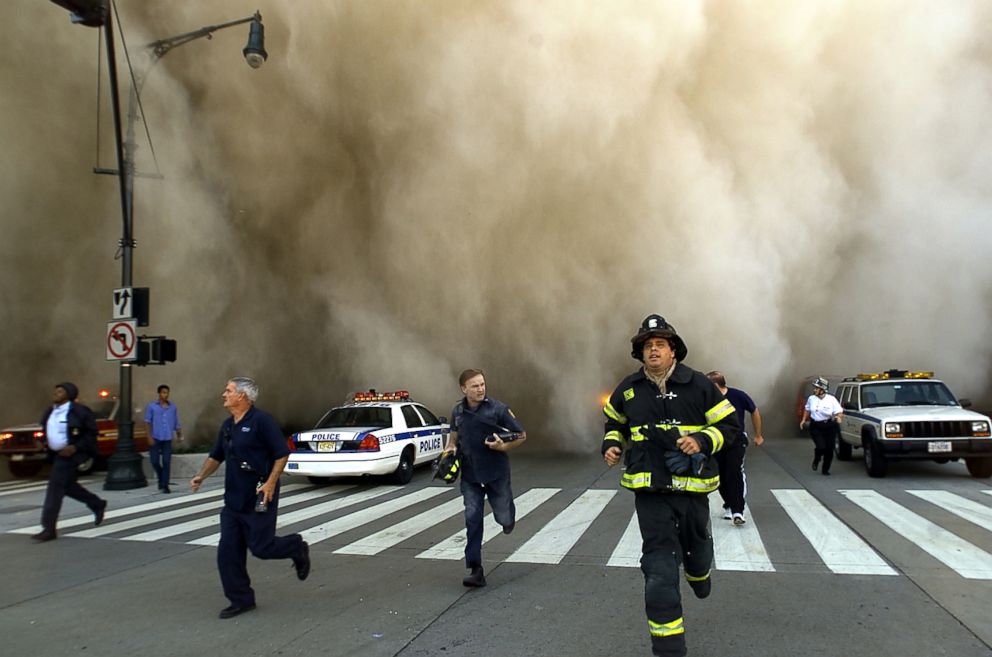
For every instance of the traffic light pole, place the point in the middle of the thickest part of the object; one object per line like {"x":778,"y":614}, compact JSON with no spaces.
{"x":124,"y":467}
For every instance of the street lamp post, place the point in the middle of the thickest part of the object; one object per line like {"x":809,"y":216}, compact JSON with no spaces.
{"x":124,"y":469}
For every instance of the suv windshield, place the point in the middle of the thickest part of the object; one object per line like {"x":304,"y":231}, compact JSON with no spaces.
{"x":356,"y":416}
{"x":906,"y":393}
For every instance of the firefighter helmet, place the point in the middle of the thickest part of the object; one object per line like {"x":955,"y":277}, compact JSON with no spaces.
{"x":821,"y":383}
{"x":655,"y":326}
{"x":447,"y":467}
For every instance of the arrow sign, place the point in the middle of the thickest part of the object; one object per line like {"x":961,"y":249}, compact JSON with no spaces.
{"x":123,"y":308}
{"x":122,"y":340}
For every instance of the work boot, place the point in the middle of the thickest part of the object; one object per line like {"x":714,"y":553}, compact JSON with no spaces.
{"x":476,"y":578}
{"x":98,"y":513}
{"x":302,"y":562}
{"x":702,"y":588}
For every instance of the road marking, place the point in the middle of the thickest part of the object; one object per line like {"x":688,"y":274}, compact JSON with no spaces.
{"x":19,"y":487}
{"x":182,"y":528}
{"x":453,"y":547}
{"x":310,"y":511}
{"x":842,"y":551}
{"x":399,"y":532}
{"x":555,"y":539}
{"x":127,"y":511}
{"x":627,"y":553}
{"x":962,"y":507}
{"x":737,"y":547}
{"x":337,"y":526}
{"x":956,"y":553}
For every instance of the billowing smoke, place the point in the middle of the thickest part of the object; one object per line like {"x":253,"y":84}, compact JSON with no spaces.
{"x":405,"y":190}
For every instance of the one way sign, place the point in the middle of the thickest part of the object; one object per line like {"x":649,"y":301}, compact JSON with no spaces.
{"x":131,"y":303}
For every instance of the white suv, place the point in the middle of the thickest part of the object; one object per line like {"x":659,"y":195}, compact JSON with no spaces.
{"x":910,"y":415}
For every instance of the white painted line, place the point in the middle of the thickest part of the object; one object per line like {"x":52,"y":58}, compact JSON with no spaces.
{"x":842,"y":550}
{"x":453,"y":547}
{"x":737,"y":547}
{"x":357,"y":519}
{"x":126,"y":511}
{"x":956,"y":553}
{"x":962,"y":507}
{"x":33,"y":486}
{"x":627,"y":554}
{"x":399,"y":532}
{"x":310,"y":511}
{"x":553,"y":542}
{"x":113,"y":528}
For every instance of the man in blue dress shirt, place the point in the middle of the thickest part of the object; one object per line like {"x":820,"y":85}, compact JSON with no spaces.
{"x":162,"y":420}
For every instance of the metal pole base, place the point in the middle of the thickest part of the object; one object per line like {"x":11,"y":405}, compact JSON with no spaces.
{"x":124,"y":472}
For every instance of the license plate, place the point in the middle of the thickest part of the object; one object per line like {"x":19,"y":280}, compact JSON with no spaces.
{"x":939,"y":446}
{"x":327,"y":447}
{"x":293,"y":466}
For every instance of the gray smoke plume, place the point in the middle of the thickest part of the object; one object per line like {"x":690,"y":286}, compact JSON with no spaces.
{"x":406,"y":190}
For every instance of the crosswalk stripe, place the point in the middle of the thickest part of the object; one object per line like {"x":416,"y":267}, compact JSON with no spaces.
{"x":337,"y":526}
{"x":127,"y":511}
{"x":192,"y":525}
{"x":453,"y":547}
{"x":737,"y":547}
{"x":309,"y":512}
{"x":841,"y":550}
{"x":399,"y":532}
{"x":960,"y":506}
{"x":555,"y":539}
{"x":956,"y":553}
{"x":627,"y":553}
{"x":21,"y":487}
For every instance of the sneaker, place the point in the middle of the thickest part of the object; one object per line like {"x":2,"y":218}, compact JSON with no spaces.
{"x":739,"y":519}
{"x":727,"y":515}
{"x":702,"y":588}
{"x":476,"y":578}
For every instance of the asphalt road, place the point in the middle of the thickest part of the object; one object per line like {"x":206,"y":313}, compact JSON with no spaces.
{"x":840,"y":566}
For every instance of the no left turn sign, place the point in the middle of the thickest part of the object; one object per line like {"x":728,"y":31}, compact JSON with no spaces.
{"x":122,"y":339}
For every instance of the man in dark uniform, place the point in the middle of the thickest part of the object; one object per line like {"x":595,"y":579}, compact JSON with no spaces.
{"x":256,"y":453}
{"x":70,"y":430}
{"x":482,"y":431}
{"x":672,"y":420}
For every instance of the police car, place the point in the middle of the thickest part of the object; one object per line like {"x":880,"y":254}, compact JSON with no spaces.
{"x":910,"y":415}
{"x":375,"y":434}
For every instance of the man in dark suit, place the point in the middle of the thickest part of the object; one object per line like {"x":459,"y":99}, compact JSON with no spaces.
{"x":70,"y":430}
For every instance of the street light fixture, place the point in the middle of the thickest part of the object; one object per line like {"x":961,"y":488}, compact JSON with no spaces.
{"x":124,"y":467}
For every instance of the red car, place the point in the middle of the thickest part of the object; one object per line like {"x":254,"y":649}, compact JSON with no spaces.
{"x":26,"y":452}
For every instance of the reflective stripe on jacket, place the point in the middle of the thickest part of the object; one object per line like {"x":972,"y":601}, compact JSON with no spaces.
{"x":692,"y":405}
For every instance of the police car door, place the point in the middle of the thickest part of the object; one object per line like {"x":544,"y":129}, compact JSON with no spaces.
{"x":435,"y":435}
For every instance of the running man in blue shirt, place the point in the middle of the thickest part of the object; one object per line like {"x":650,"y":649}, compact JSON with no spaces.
{"x":162,"y":421}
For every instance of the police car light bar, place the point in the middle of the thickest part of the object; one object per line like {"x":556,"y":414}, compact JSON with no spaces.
{"x":893,"y":374}
{"x":372,"y":395}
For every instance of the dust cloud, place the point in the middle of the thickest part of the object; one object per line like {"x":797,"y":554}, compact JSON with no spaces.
{"x":405,"y":190}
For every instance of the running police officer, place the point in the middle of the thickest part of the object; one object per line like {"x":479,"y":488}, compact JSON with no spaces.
{"x":482,"y":431}
{"x":822,"y":414}
{"x":672,"y":420}
{"x":256,"y":453}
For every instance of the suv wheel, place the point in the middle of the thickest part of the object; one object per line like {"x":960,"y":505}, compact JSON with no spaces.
{"x":843,"y":450}
{"x":875,"y":463}
{"x":980,"y":468}
{"x":404,"y":471}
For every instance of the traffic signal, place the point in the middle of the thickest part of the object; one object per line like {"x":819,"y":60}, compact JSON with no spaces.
{"x":163,"y":350}
{"x":155,"y":350}
{"x":92,"y":13}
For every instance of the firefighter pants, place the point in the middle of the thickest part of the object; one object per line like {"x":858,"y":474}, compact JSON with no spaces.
{"x":733,"y":482}
{"x":824,"y":435}
{"x":674,"y":529}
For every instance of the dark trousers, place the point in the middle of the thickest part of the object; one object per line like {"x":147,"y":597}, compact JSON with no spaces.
{"x":732,"y":484}
{"x":824,"y":435}
{"x":674,"y":529}
{"x":62,"y":482}
{"x":243,"y":531}
{"x":160,"y":454}
{"x":500,"y":499}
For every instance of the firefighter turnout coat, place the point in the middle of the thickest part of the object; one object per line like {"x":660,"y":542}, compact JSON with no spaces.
{"x":647,"y":422}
